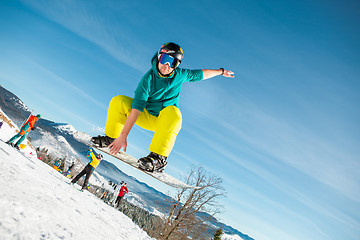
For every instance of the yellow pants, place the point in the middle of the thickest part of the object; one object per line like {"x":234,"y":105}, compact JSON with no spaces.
{"x":166,"y":126}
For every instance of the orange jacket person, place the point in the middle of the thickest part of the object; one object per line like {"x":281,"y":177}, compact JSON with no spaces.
{"x":24,"y":130}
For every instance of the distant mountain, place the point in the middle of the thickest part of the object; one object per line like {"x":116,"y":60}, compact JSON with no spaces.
{"x":13,"y":106}
{"x":58,"y":139}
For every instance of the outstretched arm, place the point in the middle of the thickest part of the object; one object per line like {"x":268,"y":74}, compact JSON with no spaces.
{"x":121,"y":141}
{"x":209,"y":73}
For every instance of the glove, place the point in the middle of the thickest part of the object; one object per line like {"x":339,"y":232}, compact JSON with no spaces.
{"x":33,"y":128}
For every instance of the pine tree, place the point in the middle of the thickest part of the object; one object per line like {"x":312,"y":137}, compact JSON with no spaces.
{"x":218,"y":233}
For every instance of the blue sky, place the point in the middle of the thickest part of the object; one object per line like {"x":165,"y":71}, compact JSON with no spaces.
{"x":283,"y":134}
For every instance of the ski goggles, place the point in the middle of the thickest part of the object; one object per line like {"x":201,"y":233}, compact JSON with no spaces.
{"x":164,"y":59}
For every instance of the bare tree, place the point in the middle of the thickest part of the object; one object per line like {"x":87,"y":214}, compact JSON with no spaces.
{"x":184,"y":211}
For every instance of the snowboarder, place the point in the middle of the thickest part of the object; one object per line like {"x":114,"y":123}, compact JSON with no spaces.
{"x":24,"y":130}
{"x":89,"y":168}
{"x":123,"y":191}
{"x":1,"y":123}
{"x":154,"y":107}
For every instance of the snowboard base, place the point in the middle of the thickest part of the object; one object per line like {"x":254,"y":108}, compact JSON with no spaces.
{"x":126,"y":158}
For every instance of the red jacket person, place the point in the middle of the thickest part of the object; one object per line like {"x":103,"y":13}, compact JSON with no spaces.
{"x":123,"y":191}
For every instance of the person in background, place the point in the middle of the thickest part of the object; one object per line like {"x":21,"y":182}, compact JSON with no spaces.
{"x":103,"y":195}
{"x":69,"y":169}
{"x":57,"y":164}
{"x":123,"y":191}
{"x":89,"y":168}
{"x":24,"y":130}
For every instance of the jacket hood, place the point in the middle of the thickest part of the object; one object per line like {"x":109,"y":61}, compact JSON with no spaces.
{"x":154,"y":62}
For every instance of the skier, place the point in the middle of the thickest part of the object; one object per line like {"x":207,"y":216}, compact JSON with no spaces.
{"x":57,"y":164}
{"x":24,"y":130}
{"x":103,"y":195}
{"x":89,"y":168}
{"x":1,"y":123}
{"x":154,"y":107}
{"x":123,"y":191}
{"x":69,"y":169}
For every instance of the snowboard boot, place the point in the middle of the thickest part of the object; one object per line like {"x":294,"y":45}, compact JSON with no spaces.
{"x":102,"y":141}
{"x":153,"y":162}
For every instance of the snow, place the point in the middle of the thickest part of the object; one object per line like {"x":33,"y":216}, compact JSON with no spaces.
{"x":66,"y":128}
{"x":20,"y":104}
{"x":230,"y":237}
{"x":139,"y":202}
{"x":83,"y":137}
{"x":37,"y":203}
{"x":51,"y":143}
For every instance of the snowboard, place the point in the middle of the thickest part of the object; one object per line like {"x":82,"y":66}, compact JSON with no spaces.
{"x":126,"y":158}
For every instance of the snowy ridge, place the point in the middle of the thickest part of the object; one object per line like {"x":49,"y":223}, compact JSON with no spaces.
{"x":20,"y":104}
{"x":65,"y":128}
{"x":99,"y":180}
{"x":56,"y":145}
{"x":230,"y":237}
{"x":139,"y":202}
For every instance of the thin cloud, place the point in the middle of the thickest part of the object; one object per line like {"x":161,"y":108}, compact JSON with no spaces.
{"x":68,"y":85}
{"x":85,"y":21}
{"x":298,"y":146}
{"x":65,"y":111}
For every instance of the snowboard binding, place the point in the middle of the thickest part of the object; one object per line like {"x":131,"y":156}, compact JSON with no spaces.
{"x":153,"y":162}
{"x":102,"y":141}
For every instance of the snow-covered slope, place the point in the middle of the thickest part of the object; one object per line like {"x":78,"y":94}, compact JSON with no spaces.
{"x":66,"y":128}
{"x":37,"y":203}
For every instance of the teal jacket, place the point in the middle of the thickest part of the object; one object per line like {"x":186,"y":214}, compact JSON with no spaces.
{"x":155,"y":93}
